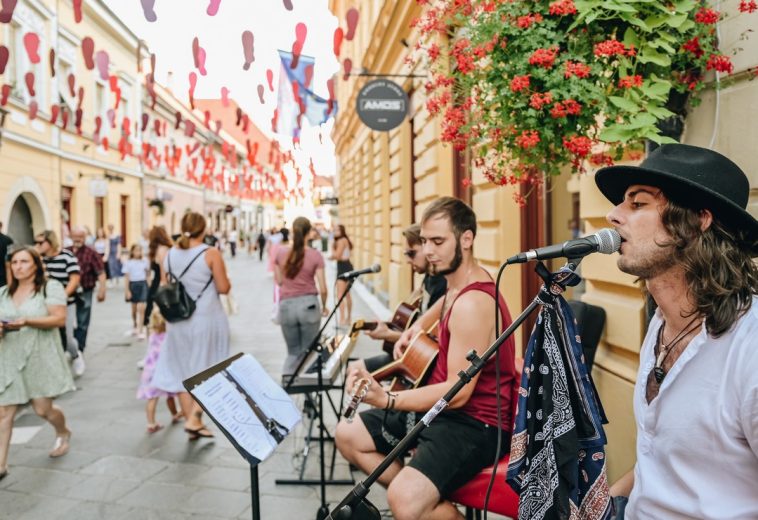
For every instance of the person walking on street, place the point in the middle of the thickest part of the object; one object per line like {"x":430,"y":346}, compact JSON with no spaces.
{"x":686,"y":234}
{"x":261,"y":240}
{"x":114,"y":255}
{"x":158,"y":246}
{"x":341,"y":248}
{"x":136,"y":271}
{"x":91,"y":275}
{"x":232,"y":240}
{"x":62,"y":265}
{"x":297,"y":270}
{"x":194,"y":344}
{"x":34,"y":368}
{"x":146,"y":390}
{"x":5,"y":243}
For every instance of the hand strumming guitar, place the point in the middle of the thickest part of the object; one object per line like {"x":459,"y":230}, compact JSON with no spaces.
{"x":404,"y":341}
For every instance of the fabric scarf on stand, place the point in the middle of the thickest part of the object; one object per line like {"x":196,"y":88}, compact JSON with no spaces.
{"x":557,"y":461}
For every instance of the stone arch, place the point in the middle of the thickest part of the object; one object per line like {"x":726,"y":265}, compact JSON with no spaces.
{"x":25,"y":210}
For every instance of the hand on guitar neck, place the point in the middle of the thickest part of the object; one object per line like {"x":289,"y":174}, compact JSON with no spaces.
{"x":389,"y":332}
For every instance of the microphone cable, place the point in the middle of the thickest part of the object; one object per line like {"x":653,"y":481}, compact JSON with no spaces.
{"x":499,"y":443}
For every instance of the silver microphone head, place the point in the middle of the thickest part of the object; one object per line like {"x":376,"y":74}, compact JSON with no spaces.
{"x":608,"y":240}
{"x":377,"y":267}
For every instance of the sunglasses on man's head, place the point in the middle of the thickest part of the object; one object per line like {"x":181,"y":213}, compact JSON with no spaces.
{"x":39,"y":242}
{"x":410,"y":253}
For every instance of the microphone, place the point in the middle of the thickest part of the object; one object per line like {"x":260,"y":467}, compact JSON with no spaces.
{"x":605,"y":241}
{"x":358,"y":272}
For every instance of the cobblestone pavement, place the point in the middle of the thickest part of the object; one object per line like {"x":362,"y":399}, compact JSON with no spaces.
{"x":115,"y":470}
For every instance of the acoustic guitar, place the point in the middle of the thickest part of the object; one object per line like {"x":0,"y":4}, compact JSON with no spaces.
{"x":404,"y":316}
{"x":412,"y":369}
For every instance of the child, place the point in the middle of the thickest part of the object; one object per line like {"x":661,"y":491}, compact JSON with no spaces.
{"x":146,"y":390}
{"x":136,"y":270}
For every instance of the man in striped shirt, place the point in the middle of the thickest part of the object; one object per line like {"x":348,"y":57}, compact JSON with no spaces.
{"x":61,"y":265}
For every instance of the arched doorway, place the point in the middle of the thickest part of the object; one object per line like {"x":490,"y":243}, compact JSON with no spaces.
{"x":21,"y":223}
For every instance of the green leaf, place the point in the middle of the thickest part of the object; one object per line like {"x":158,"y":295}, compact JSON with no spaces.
{"x":631,"y":38}
{"x":656,"y":90}
{"x":676,"y":20}
{"x":624,"y":104}
{"x":652,"y":56}
{"x":659,"y":112}
{"x":662,"y":44}
{"x":615,"y":133}
{"x":684,"y":6}
{"x":655,"y":21}
{"x":639,"y":22}
{"x":660,"y":139}
{"x":614,"y":6}
{"x":642,"y":120}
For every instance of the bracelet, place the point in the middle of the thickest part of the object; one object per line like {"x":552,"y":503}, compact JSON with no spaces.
{"x":390,"y":401}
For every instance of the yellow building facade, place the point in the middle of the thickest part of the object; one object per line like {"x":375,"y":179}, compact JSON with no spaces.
{"x":51,"y":177}
{"x":385,"y":179}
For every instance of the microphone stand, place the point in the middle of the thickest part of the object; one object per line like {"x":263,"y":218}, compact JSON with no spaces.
{"x":354,"y":501}
{"x":317,"y":347}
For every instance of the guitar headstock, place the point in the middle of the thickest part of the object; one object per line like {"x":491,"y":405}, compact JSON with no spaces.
{"x":359,"y":391}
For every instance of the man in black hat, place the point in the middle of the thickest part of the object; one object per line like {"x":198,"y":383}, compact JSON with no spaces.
{"x":686,"y":234}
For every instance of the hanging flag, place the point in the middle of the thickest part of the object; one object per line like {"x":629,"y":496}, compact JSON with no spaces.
{"x":295,"y":100}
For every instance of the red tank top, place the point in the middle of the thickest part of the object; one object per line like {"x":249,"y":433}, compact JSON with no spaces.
{"x":482,"y":404}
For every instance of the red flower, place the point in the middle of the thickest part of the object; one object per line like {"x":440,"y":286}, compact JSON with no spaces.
{"x":706,"y":16}
{"x":526,"y":21}
{"x":576,"y":68}
{"x":562,"y":7}
{"x":463,"y":58}
{"x":519,"y":83}
{"x":466,"y":183}
{"x":630,"y":81}
{"x":748,"y":7}
{"x":693,"y":46}
{"x":601,"y":159}
{"x":719,"y":63}
{"x":433,"y":51}
{"x":558,"y":111}
{"x":528,"y":139}
{"x":611,"y":48}
{"x":537,"y":101}
{"x":544,"y":57}
{"x":573,"y":107}
{"x":578,"y":145}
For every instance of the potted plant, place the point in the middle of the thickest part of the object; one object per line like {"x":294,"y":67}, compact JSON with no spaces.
{"x":534,"y":86}
{"x":158,"y":205}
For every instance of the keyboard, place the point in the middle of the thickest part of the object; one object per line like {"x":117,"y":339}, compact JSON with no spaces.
{"x":334,"y":357}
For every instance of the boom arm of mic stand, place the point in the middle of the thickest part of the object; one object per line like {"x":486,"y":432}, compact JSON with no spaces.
{"x":316,"y":339}
{"x":361,"y":489}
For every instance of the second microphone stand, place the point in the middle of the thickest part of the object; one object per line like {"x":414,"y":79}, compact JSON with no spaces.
{"x":355,"y":506}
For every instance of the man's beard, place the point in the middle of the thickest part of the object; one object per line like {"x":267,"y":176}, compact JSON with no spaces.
{"x":653,"y":264}
{"x":454,"y":264}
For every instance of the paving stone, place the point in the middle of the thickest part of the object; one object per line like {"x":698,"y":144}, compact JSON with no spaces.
{"x":156,"y":495}
{"x":125,"y":467}
{"x":102,"y":488}
{"x":216,"y":502}
{"x":231,"y":479}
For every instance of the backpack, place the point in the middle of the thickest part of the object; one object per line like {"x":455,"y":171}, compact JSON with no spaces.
{"x":172,"y":299}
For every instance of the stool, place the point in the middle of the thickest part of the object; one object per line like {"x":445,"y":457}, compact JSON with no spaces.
{"x":503,"y":500}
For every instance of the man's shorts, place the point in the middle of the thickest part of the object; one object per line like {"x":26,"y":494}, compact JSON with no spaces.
{"x":449,"y":452}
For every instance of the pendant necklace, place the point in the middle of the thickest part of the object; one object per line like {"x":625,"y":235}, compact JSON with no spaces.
{"x":664,"y":349}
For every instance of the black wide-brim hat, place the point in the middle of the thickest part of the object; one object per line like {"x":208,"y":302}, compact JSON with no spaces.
{"x":692,"y":177}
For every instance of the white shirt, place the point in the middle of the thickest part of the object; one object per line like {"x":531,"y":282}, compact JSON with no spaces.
{"x":232,"y":236}
{"x":137,"y":269}
{"x":697,"y":441}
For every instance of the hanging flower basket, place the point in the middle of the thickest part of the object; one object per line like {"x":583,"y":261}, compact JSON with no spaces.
{"x":534,"y":86}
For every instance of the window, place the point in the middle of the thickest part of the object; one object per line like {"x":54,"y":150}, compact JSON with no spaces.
{"x":101,"y":106}
{"x":19,"y":64}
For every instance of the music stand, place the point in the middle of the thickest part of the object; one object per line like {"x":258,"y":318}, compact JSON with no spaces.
{"x":318,"y":348}
{"x":251,"y":418}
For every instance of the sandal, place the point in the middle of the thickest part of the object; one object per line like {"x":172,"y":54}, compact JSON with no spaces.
{"x":199,"y":432}
{"x":61,"y":445}
{"x":177,"y":418}
{"x":154,"y":427}
{"x":3,"y":473}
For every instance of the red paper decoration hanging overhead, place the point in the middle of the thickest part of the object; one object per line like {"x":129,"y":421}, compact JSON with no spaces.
{"x":55,"y":110}
{"x":103,"y":61}
{"x":88,"y":50}
{"x":4,"y":93}
{"x":339,"y":34}
{"x":4,"y":55}
{"x":288,"y":5}
{"x":178,"y":120}
{"x":6,"y":13}
{"x":149,"y":12}
{"x":71,"y":84}
{"x":29,"y":79}
{"x":261,"y":90}
{"x":225,"y":97}
{"x":348,"y":66}
{"x":248,"y":48}
{"x":213,"y":7}
{"x":33,"y":108}
{"x":351,"y":17}
{"x":308,"y":75}
{"x":98,"y":124}
{"x":31,"y":43}
{"x":193,"y":84}
{"x":78,"y":11}
{"x":51,"y":58}
{"x":301,"y":31}
{"x":270,"y":79}
{"x":145,"y":121}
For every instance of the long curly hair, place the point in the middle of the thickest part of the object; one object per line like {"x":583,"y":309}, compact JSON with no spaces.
{"x":301,"y":227}
{"x":721,"y":275}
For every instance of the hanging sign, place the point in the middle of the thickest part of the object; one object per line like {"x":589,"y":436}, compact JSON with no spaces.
{"x":382,"y":105}
{"x":98,"y":187}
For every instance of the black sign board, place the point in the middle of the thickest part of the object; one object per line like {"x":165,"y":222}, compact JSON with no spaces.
{"x":382,"y":105}
{"x":330,"y":200}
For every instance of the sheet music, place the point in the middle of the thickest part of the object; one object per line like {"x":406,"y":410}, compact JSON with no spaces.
{"x":229,"y":408}
{"x":273,"y":401}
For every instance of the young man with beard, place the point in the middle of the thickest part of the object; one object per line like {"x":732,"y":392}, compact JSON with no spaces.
{"x":462,"y":439}
{"x":686,"y":234}
{"x":432,"y":288}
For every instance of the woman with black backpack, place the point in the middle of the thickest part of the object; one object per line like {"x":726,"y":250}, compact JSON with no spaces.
{"x":198,"y":338}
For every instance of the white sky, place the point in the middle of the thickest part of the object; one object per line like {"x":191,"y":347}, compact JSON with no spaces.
{"x":273,"y":27}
